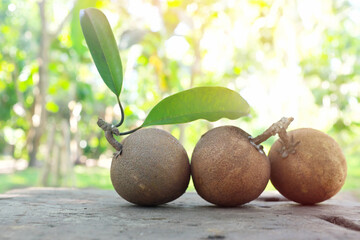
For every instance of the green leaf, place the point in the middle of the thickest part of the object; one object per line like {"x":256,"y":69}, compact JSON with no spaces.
{"x":210,"y":103}
{"x":102,"y":45}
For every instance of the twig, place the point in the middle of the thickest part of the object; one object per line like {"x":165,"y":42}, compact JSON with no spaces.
{"x":276,"y":128}
{"x":110,"y":131}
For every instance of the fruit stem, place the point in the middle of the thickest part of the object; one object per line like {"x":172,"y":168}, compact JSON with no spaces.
{"x":277,"y":128}
{"x":288,"y":144}
{"x":110,"y":130}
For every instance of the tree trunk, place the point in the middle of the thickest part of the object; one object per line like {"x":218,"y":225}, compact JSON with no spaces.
{"x":195,"y":71}
{"x":48,"y":156}
{"x":38,"y":123}
{"x":67,"y":163}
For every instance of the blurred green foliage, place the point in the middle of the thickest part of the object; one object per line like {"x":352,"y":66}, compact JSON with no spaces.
{"x":296,"y":58}
{"x":85,"y":177}
{"x":21,"y":179}
{"x":97,"y":177}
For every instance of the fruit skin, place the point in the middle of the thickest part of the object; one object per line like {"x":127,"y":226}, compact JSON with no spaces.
{"x":314,"y":173}
{"x":153,"y":168}
{"x":227,"y":169}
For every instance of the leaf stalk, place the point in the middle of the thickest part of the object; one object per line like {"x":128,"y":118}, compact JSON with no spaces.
{"x":122,"y":113}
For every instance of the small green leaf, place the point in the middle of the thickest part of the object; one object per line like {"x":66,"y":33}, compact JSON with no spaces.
{"x":102,"y":45}
{"x":210,"y":103}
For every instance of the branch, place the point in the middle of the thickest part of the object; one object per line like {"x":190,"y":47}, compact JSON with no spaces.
{"x":53,"y":35}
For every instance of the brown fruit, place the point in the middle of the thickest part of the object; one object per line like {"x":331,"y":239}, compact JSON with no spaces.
{"x":153,"y":168}
{"x":315,"y":172}
{"x":227,"y":169}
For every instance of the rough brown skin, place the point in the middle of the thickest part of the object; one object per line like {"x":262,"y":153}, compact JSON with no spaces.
{"x":314,"y":173}
{"x":227,"y":169}
{"x":152,"y":169}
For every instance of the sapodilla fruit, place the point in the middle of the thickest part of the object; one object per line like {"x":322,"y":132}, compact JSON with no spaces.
{"x":152,"y":169}
{"x":314,"y":171}
{"x":227,"y":169}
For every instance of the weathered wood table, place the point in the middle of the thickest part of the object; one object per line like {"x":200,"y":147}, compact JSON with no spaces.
{"x":50,"y":213}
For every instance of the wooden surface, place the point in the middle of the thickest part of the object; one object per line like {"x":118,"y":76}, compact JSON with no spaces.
{"x":50,"y":213}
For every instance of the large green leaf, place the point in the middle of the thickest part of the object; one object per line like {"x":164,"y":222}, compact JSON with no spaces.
{"x":210,"y":103}
{"x":102,"y":45}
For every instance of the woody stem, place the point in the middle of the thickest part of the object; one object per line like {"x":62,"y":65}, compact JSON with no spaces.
{"x":277,"y":128}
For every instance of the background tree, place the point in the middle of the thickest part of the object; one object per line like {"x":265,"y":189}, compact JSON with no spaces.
{"x":286,"y":58}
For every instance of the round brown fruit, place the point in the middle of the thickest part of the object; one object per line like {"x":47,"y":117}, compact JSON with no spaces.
{"x":227,"y":169}
{"x":152,"y":169}
{"x":314,"y":172}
